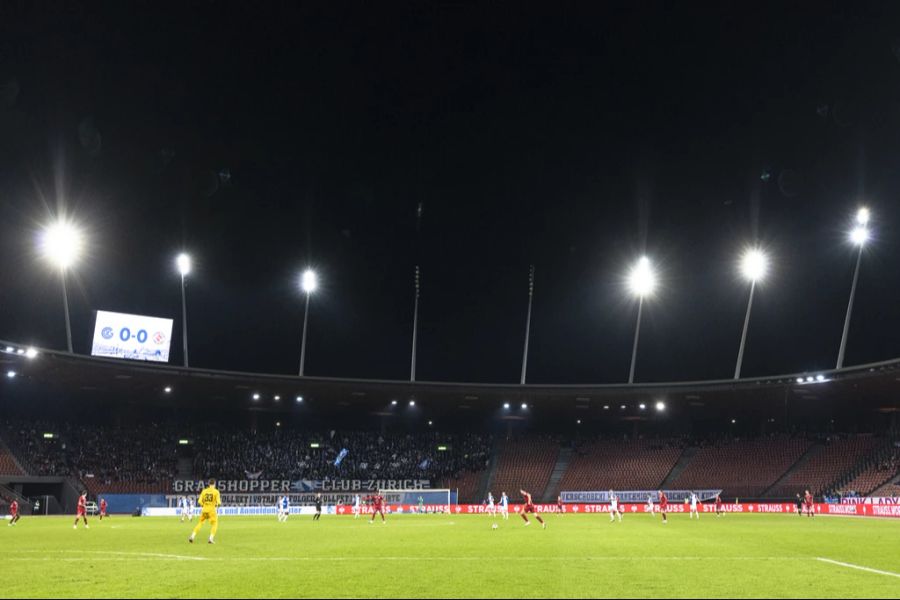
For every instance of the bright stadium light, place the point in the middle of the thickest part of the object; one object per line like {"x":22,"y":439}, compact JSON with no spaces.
{"x":183,"y":263}
{"x":642,"y":279}
{"x":299,"y":399}
{"x":168,"y":390}
{"x":641,"y":283}
{"x":10,"y":349}
{"x":256,"y":396}
{"x":606,"y":407}
{"x":859,"y":236}
{"x":308,"y":283}
{"x":862,"y":216}
{"x":393,"y":403}
{"x":799,"y":380}
{"x":277,"y":398}
{"x":62,"y":243}
{"x":643,"y":406}
{"x":412,"y":402}
{"x":10,"y":374}
{"x":524,"y":406}
{"x":660,"y":406}
{"x":31,"y":353}
{"x":506,"y":405}
{"x":754,"y":266}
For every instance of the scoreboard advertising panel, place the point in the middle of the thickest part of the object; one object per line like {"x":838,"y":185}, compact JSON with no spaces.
{"x":133,"y":337}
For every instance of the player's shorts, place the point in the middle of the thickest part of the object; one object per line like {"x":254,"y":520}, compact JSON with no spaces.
{"x":529,"y":508}
{"x":210,"y":516}
{"x":81,"y":512}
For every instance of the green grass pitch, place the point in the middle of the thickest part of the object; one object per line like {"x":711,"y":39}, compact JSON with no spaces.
{"x":441,"y":556}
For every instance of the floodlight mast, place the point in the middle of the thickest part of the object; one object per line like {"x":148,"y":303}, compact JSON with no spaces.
{"x":528,"y":325}
{"x":183,"y":263}
{"x":415,"y":335}
{"x":61,"y":244}
{"x":754,"y":267}
{"x":641,"y":282}
{"x":859,"y":236}
{"x":309,"y":283}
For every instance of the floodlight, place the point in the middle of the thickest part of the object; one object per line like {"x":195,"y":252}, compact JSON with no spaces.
{"x":506,"y":405}
{"x":31,"y":353}
{"x":183,"y":263}
{"x":859,"y":236}
{"x":754,"y":265}
{"x":862,"y":217}
{"x":61,"y":244}
{"x":309,"y":282}
{"x":642,"y":279}
{"x":660,"y":406}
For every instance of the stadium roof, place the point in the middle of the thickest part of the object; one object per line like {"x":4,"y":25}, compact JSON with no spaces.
{"x":873,"y":387}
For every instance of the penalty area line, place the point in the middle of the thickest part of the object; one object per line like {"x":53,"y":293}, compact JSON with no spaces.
{"x":857,"y":567}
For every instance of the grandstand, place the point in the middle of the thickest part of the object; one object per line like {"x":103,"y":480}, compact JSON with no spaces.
{"x":64,"y":421}
{"x":621,"y":464}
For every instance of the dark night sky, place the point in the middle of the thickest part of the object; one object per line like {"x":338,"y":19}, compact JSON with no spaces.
{"x":571,"y":138}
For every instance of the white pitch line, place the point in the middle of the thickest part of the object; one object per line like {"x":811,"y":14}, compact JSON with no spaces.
{"x":126,"y":555}
{"x":857,"y":567}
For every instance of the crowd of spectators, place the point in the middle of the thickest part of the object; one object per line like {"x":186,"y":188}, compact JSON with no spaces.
{"x":287,"y":454}
{"x":106,"y":455}
{"x":149,"y":454}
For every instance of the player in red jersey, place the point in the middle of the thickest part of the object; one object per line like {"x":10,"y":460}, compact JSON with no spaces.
{"x":664,"y":506}
{"x":808,"y":500}
{"x":102,"y":508}
{"x":13,"y":513}
{"x":718,"y":505}
{"x":559,"y":505}
{"x":378,"y":507}
{"x":82,"y":511}
{"x":529,"y":508}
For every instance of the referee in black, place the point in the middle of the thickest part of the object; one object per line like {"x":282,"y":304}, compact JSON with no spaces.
{"x":799,"y":506}
{"x":318,"y":514}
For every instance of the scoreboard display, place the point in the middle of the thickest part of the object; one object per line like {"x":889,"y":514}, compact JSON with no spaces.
{"x":133,"y":337}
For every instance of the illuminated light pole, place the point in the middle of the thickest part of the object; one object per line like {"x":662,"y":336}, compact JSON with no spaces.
{"x":183,"y":262}
{"x":754,"y":267}
{"x":528,"y":325}
{"x":61,"y":243}
{"x":309,"y":283}
{"x":641,"y":283}
{"x":859,"y":236}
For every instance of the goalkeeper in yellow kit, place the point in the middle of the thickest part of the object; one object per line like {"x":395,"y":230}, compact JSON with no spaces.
{"x":209,"y":501}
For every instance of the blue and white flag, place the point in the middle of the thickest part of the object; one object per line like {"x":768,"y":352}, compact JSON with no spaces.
{"x":341,"y":457}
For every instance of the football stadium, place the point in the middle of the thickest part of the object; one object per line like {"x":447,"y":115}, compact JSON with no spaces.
{"x":449,"y":300}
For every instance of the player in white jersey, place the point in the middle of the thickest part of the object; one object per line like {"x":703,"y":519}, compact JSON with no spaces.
{"x":504,"y":506}
{"x":614,"y":508}
{"x":651,"y":508}
{"x":357,"y":509}
{"x":491,"y":509}
{"x":284,"y":508}
{"x":187,"y":509}
{"x":694,"y":509}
